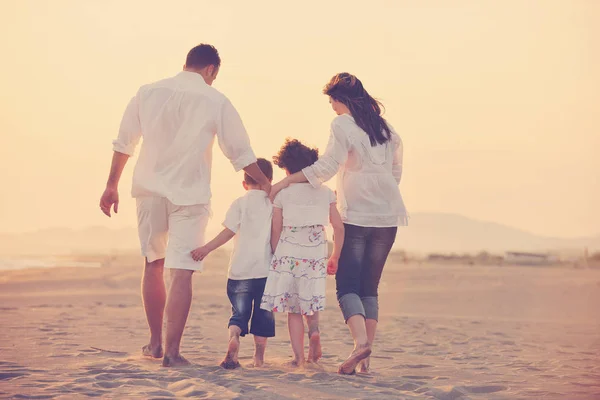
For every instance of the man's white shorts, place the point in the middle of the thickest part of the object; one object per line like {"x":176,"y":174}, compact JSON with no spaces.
{"x":170,"y":231}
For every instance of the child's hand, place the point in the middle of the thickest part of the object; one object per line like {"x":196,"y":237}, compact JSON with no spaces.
{"x":200,"y":253}
{"x":332,"y":265}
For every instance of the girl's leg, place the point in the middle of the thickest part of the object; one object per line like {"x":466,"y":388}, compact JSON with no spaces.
{"x":296,"y":328}
{"x":314,"y":338}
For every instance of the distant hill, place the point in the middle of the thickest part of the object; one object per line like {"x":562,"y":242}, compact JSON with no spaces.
{"x":427,"y":232}
{"x":436,"y":232}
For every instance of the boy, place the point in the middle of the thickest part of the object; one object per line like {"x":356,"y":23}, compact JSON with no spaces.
{"x":248,"y":221}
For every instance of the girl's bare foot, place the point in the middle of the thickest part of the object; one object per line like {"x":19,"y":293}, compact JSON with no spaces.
{"x":314,"y":347}
{"x":175,"y":361}
{"x":231,"y":358}
{"x":154,"y":352}
{"x":360,"y":352}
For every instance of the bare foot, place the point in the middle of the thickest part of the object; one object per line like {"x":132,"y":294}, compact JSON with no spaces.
{"x":295,"y":363}
{"x":231,"y":358}
{"x":360,"y":353}
{"x":149,"y":351}
{"x":175,"y":361}
{"x":364,"y":367}
{"x":258,"y":362}
{"x":314,"y":347}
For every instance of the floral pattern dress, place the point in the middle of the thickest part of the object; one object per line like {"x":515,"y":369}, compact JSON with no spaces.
{"x":298,"y":272}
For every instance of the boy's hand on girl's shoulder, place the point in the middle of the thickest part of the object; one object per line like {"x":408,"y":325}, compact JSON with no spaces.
{"x":332,"y":265}
{"x":200,"y":253}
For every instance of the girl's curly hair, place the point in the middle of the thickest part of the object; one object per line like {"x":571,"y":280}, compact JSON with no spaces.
{"x":294,"y":156}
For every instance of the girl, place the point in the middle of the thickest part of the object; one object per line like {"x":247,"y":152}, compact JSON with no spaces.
{"x":296,"y":281}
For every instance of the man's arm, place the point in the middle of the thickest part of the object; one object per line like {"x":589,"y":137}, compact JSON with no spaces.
{"x":255,"y":172}
{"x":110,"y":196}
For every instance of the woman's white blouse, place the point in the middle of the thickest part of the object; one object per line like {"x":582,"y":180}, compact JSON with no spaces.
{"x":368,"y":176}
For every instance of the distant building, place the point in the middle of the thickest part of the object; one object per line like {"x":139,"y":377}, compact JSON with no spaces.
{"x":521,"y":258}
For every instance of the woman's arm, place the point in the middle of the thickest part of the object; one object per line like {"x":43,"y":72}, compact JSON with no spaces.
{"x":276,"y":227}
{"x":326,"y":166}
{"x":397,"y":161}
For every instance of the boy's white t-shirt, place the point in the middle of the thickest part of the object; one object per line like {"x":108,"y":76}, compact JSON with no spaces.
{"x":249,"y":217}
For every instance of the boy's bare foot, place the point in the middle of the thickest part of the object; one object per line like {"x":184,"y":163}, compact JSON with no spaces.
{"x":364,"y":367}
{"x":314,"y":347}
{"x":231,"y":358}
{"x":175,"y":361}
{"x":154,"y":352}
{"x":360,"y":352}
{"x":260,"y":346}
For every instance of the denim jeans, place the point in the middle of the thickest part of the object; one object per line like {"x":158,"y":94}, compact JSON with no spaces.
{"x":245,"y":296}
{"x":361,"y":264}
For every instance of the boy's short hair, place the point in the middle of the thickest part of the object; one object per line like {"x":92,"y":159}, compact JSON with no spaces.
{"x":265,"y":166}
{"x":294,"y":156}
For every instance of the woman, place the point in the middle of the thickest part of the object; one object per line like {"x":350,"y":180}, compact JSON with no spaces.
{"x":366,"y":153}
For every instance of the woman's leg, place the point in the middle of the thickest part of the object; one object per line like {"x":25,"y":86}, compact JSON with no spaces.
{"x":296,"y":328}
{"x":377,"y":250}
{"x":348,"y":285}
{"x":314,"y":338}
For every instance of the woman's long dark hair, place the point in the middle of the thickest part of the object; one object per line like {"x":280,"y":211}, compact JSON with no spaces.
{"x":348,"y":89}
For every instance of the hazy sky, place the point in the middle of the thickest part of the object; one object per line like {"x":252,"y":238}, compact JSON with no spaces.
{"x":498,"y":102}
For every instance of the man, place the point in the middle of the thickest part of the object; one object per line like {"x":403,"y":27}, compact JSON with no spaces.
{"x":178,"y":118}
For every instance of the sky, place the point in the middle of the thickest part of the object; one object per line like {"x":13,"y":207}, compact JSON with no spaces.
{"x":497,"y":102}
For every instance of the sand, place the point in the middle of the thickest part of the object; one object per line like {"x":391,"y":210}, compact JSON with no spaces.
{"x":446,"y":332}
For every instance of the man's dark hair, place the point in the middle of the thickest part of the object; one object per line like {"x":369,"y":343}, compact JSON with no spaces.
{"x":203,"y":55}
{"x":294,"y":156}
{"x":266,"y":168}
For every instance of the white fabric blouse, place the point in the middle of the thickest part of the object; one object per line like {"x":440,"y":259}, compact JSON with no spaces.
{"x":368,"y":176}
{"x":304,"y":205}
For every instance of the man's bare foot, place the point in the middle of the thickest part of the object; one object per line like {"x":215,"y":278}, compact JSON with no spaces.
{"x":314,"y":347}
{"x":364,"y":367}
{"x":154,"y":352}
{"x":175,"y":361}
{"x":231,"y":358}
{"x":361,"y":352}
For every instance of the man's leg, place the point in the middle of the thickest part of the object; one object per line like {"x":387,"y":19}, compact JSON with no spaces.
{"x":154,"y":296}
{"x":187,"y":226}
{"x":178,"y":308}
{"x":152,"y":230}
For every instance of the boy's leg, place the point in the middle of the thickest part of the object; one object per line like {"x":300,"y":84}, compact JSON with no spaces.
{"x":314,"y":338}
{"x":260,"y":345}
{"x":239,"y":293}
{"x":296,"y":328}
{"x":263,"y":322}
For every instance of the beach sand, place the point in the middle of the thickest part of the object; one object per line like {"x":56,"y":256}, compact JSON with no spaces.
{"x":446,"y":332}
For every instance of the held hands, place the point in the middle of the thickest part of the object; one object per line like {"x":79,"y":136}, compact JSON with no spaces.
{"x":332,"y":265}
{"x":109,"y":198}
{"x":200,"y":253}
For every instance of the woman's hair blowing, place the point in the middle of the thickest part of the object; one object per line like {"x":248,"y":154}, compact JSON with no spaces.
{"x":366,"y":111}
